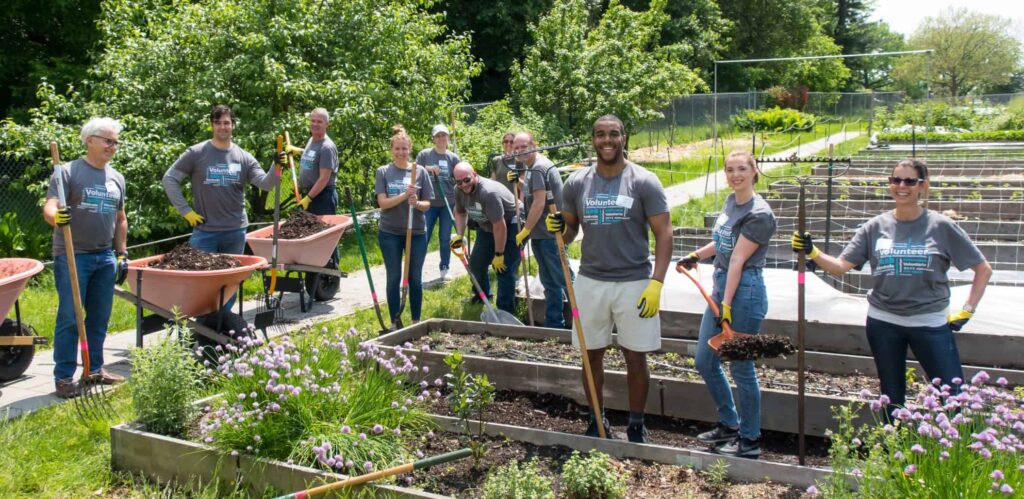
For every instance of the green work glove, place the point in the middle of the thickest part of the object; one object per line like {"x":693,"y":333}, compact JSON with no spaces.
{"x":959,"y":319}
{"x":689,"y":261}
{"x":726,"y":315}
{"x":555,"y":222}
{"x":805,"y":244}
{"x":62,"y":217}
{"x":194,"y":218}
{"x":498,"y":262}
{"x":650,"y":300}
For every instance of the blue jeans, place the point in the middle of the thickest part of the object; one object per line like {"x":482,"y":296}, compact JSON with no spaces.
{"x":444,"y":232}
{"x":392,"y":247}
{"x":749,"y":306}
{"x":549,"y":268}
{"x":222,"y":241}
{"x":934,"y":348}
{"x":480,"y":262}
{"x":96,"y":285}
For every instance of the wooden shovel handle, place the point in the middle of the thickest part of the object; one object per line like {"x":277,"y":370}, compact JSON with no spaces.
{"x":69,"y":252}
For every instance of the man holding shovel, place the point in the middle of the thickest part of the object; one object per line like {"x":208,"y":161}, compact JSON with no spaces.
{"x":94,"y":194}
{"x":615,"y":203}
{"x":541,"y":176}
{"x":492,"y":207}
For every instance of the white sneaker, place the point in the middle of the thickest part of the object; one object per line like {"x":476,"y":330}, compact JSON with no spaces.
{"x":444,"y":275}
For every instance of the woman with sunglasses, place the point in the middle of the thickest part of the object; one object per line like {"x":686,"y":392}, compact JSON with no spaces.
{"x":910,"y":248}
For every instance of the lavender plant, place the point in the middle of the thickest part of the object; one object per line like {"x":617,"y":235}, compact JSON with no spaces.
{"x":324,"y":399}
{"x":941,"y":444}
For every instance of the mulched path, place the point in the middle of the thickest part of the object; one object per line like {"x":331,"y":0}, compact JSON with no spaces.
{"x":185,"y":257}
{"x":301,"y":224}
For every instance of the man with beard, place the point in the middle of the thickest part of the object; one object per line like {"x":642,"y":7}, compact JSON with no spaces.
{"x":615,"y":203}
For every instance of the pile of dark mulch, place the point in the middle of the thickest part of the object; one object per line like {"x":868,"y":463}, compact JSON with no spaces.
{"x":301,"y":224}
{"x":185,"y":257}
{"x":766,"y":346}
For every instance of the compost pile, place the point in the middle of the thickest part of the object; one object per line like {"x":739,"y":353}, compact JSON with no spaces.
{"x":185,"y":257}
{"x":757,"y":346}
{"x":301,"y":224}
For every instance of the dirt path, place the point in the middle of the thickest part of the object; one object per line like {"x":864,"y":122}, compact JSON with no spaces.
{"x":664,"y":153}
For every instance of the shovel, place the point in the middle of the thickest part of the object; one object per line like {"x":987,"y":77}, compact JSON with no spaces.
{"x":366,"y":262}
{"x":91,"y":403}
{"x":490,"y":314}
{"x":727,"y":333}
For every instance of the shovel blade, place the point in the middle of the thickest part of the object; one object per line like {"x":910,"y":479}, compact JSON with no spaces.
{"x":499,"y":316}
{"x":727,"y":334}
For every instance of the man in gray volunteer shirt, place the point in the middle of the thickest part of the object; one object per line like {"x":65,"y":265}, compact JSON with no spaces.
{"x":218,"y":170}
{"x":539,"y":177}
{"x":318,"y":167}
{"x":439,"y":161}
{"x":491,"y":206}
{"x":94,"y":193}
{"x":615,"y":202}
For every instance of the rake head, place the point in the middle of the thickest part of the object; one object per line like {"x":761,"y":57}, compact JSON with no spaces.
{"x":91,"y":402}
{"x":750,"y":347}
{"x":269,"y":314}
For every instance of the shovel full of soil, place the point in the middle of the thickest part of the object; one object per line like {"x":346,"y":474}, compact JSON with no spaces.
{"x":760,"y":346}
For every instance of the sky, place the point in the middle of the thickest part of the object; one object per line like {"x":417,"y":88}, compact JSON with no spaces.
{"x":904,"y":16}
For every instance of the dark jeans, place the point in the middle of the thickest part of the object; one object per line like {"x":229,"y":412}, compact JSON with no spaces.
{"x":325,"y":203}
{"x":96,"y":285}
{"x":439,"y":215}
{"x":392,"y":247}
{"x":220,"y":241}
{"x":480,"y":262}
{"x":549,"y":269}
{"x":934,"y":348}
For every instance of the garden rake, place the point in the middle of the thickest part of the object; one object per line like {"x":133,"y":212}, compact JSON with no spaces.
{"x":91,"y":403}
{"x":268,"y":308}
{"x":490,"y":314}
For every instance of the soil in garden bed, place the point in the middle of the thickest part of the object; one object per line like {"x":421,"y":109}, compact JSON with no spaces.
{"x":665,"y":364}
{"x":185,"y":257}
{"x":301,"y":224}
{"x":556,"y":413}
{"x":466,"y":478}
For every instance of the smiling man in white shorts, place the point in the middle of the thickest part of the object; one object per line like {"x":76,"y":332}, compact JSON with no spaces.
{"x":615,"y":203}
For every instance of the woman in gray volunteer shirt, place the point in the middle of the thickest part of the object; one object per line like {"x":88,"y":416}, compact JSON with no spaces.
{"x":739,"y":245}
{"x":910,"y":249}
{"x":394,"y":195}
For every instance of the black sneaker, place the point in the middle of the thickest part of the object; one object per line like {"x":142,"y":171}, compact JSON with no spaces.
{"x":637,"y":433}
{"x":742,"y":447}
{"x":720,"y":434}
{"x":592,"y":429}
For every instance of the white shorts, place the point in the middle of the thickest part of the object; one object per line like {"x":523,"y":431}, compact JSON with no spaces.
{"x":604,"y":304}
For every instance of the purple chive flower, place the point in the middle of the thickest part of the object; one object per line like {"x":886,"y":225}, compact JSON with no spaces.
{"x":377,"y":429}
{"x":368,"y":466}
{"x":1006,"y":489}
{"x":917,"y":448}
{"x":979,"y":378}
{"x":234,"y":453}
{"x":898,"y":455}
{"x":362,"y":436}
{"x":985,"y":453}
{"x":426,"y":369}
{"x":997,"y":475}
{"x":346,"y":430}
{"x":876,"y":405}
{"x":910,"y":469}
{"x":397,"y":431}
{"x":812,"y":491}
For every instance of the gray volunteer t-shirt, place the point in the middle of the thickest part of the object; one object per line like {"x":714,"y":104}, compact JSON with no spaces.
{"x":613,"y":214}
{"x":218,"y":180}
{"x":909,"y":260}
{"x":487,"y":204}
{"x":321,"y":154}
{"x":500,"y":166}
{"x":392,"y":181}
{"x":537,"y":179}
{"x":753,"y":219}
{"x":95,"y":196}
{"x":446,"y":163}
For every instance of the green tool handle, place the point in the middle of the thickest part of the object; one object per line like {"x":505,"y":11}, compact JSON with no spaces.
{"x":362,"y":251}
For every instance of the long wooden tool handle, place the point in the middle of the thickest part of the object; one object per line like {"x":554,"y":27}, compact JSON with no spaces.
{"x":408,"y":233}
{"x":291,"y":166}
{"x":522,"y":256}
{"x":69,"y":251}
{"x":587,"y":372}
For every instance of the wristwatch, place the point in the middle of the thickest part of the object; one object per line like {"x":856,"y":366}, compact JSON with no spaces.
{"x":968,"y":308}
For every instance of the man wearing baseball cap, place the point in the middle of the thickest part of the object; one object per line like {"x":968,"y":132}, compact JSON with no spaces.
{"x":439,"y":161}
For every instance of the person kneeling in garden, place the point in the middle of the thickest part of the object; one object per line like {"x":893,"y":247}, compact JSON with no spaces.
{"x":94,"y":194}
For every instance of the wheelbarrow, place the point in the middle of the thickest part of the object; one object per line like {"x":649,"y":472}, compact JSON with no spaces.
{"x":196,"y":296}
{"x":308,"y":264}
{"x":17,"y":340}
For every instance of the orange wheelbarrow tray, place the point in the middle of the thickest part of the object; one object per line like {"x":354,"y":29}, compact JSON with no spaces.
{"x":17,"y":340}
{"x":312,"y":251}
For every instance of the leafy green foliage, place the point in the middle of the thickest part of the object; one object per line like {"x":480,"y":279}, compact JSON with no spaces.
{"x":12,"y":238}
{"x":469,"y":397}
{"x":592,"y":476}
{"x":999,"y":135}
{"x":518,"y":481}
{"x":574,"y":72}
{"x":775,"y":119}
{"x":164,"y":383}
{"x":481,"y":139}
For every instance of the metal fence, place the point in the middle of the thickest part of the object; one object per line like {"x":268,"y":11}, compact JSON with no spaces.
{"x":22,"y":189}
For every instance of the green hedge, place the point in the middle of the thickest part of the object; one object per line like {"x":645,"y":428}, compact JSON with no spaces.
{"x":997,"y":135}
{"x":775,"y":119}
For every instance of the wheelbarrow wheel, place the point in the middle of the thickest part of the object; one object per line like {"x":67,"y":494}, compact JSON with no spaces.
{"x":327,"y":286}
{"x":229,"y":322}
{"x":14,"y":360}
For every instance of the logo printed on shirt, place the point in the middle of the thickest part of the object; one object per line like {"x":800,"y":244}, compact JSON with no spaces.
{"x":902,"y":259}
{"x":476,"y":212}
{"x":100,"y":199}
{"x":604,"y":209}
{"x":722,"y":235}
{"x":223,"y":174}
{"x":308,"y":160}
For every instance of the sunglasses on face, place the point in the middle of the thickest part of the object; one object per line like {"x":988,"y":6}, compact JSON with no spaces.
{"x":506,"y":142}
{"x":463,"y":181}
{"x":910,"y":182}
{"x":108,"y":142}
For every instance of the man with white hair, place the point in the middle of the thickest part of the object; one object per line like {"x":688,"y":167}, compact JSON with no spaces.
{"x":94,"y":193}
{"x":318,"y":168}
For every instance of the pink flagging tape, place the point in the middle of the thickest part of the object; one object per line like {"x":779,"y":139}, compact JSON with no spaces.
{"x":481,"y":295}
{"x":575,"y":313}
{"x":800,"y":278}
{"x":374,"y":295}
{"x":405,"y":282}
{"x":83,"y":346}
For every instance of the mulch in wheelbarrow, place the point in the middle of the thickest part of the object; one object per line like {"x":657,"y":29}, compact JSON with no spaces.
{"x":185,"y":257}
{"x":301,"y":224}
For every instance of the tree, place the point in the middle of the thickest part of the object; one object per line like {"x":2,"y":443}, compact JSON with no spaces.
{"x":165,"y":64}
{"x":697,"y":26}
{"x":573,"y":74}
{"x":849,"y":23}
{"x":973,"y":53}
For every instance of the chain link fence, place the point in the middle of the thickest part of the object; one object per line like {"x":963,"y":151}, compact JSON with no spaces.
{"x":22,"y":229}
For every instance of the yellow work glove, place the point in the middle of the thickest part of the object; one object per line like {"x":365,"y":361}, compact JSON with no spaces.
{"x":304,"y":203}
{"x":455,"y":243}
{"x":281,"y":158}
{"x":194,"y":218}
{"x":62,"y":217}
{"x":512,"y":176}
{"x":689,"y":261}
{"x":555,"y":222}
{"x":294,"y":151}
{"x":498,"y":262}
{"x":522,"y":235}
{"x":804,"y":243}
{"x":650,"y":300}
{"x":726,"y":315}
{"x":959,"y":319}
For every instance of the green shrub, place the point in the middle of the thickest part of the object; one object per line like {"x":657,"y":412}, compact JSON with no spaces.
{"x":592,"y":476}
{"x":775,"y":119}
{"x":515,"y":481}
{"x":998,"y":135}
{"x":164,"y":383}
